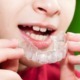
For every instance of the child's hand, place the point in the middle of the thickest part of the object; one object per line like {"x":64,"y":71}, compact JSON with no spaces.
{"x":67,"y":65}
{"x":9,"y":57}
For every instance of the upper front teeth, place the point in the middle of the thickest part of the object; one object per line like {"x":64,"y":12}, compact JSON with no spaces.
{"x":43,"y":29}
{"x":36,"y":28}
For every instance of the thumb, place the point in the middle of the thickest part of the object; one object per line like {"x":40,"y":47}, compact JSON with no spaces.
{"x":67,"y":70}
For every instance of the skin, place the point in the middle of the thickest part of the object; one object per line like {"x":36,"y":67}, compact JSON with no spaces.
{"x":13,"y":13}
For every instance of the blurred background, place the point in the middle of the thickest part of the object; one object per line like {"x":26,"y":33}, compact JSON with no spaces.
{"x":75,"y":25}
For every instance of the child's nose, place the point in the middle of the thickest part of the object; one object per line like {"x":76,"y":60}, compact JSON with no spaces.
{"x":48,"y":7}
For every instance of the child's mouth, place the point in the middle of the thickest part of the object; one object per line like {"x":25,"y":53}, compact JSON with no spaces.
{"x":39,"y":35}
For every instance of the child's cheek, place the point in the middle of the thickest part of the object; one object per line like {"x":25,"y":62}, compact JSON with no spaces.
{"x":68,"y":9}
{"x":10,"y":8}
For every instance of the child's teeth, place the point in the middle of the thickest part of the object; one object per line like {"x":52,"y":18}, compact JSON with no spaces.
{"x":45,"y":37}
{"x":36,"y":28}
{"x":28,"y":33}
{"x":33,"y":35}
{"x":38,"y":37}
{"x":43,"y":29}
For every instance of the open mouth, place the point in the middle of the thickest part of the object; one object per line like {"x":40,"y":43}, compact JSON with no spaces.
{"x":39,"y":35}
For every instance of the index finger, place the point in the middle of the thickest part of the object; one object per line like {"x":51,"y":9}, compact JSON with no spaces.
{"x":73,"y":37}
{"x":8,"y":43}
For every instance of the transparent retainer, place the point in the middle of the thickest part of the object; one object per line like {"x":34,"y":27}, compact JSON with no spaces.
{"x":56,"y":53}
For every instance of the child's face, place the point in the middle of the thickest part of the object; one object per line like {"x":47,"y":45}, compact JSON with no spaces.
{"x":36,"y":17}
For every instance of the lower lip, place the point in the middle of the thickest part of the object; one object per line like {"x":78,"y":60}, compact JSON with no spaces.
{"x":39,"y":44}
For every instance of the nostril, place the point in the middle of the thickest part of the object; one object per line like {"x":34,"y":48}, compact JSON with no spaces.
{"x":46,"y":8}
{"x":41,"y":9}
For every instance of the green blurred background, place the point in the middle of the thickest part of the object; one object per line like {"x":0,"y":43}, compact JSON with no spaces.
{"x":75,"y":25}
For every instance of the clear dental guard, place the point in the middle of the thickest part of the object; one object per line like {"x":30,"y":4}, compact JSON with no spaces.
{"x":55,"y":53}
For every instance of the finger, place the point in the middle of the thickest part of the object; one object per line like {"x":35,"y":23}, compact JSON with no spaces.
{"x":73,"y":46}
{"x":73,"y":37}
{"x":8,"y":43}
{"x":10,"y":65}
{"x":67,"y":70}
{"x":75,"y":60}
{"x":9,"y":75}
{"x":78,"y":79}
{"x":8,"y":53}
